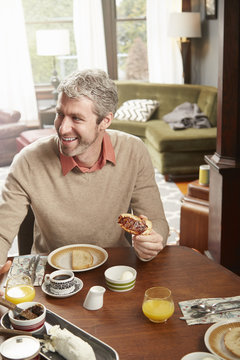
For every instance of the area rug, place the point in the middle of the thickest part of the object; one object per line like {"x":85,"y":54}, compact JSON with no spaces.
{"x":171,"y":197}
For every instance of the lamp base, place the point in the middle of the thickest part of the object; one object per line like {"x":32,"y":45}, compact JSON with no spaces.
{"x":185,"y":50}
{"x":55,"y":82}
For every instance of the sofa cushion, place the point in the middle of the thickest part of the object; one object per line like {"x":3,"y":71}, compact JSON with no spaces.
{"x":136,"y":110}
{"x":29,"y":136}
{"x":9,"y":116}
{"x":207,"y":102}
{"x":12,"y":130}
{"x":164,"y":139}
{"x":168,"y":95}
{"x":132,"y":127}
{"x":179,"y":163}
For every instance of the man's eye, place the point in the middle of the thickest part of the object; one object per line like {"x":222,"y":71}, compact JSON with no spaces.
{"x":75,"y":118}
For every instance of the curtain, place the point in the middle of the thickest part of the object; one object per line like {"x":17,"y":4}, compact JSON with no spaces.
{"x":17,"y":87}
{"x":89,"y":34}
{"x":164,"y":56}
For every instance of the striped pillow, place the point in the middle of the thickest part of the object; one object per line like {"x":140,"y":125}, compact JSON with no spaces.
{"x":136,"y":110}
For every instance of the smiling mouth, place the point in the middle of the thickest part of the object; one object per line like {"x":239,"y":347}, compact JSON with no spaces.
{"x":68,"y":139}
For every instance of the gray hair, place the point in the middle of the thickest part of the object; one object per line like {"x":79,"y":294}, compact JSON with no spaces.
{"x":96,"y":86}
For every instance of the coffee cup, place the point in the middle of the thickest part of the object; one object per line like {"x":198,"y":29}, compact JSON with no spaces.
{"x":61,"y":282}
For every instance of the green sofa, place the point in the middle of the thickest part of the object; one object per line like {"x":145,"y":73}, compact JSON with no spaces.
{"x":177,"y":154}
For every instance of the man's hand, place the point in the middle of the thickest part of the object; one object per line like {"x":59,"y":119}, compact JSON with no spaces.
{"x":3,"y":269}
{"x":148,"y":246}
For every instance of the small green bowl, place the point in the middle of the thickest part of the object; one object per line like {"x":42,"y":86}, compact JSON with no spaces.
{"x":113,"y":278}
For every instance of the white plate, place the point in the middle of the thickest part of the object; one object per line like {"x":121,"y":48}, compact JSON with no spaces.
{"x":61,"y":257}
{"x":199,"y":356}
{"x":214,"y":339}
{"x":78,"y":286}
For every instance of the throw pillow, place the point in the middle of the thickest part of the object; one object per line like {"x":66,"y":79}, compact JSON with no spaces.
{"x":136,"y":110}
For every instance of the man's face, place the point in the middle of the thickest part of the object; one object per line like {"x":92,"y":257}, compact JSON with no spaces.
{"x":76,"y":125}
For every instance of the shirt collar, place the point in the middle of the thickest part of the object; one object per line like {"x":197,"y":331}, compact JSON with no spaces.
{"x":107,"y":154}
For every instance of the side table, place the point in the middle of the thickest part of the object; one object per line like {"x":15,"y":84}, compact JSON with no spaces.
{"x":47,"y":117}
{"x":194,"y":217}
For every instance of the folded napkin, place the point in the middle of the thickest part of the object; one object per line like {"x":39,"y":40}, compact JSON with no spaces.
{"x":20,"y":265}
{"x":185,"y":307}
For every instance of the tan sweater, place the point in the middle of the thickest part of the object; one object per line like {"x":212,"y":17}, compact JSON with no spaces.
{"x":79,"y":207}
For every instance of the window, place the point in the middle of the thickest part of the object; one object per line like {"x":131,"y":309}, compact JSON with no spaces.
{"x":45,"y":15}
{"x":131,"y":39}
{"x":125,"y":25}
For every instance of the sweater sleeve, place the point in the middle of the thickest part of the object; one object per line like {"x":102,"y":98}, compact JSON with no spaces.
{"x":13,"y":205}
{"x":146,"y":199}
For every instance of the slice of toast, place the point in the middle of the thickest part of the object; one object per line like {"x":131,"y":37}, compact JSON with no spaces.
{"x":232,"y":341}
{"x":81,"y":259}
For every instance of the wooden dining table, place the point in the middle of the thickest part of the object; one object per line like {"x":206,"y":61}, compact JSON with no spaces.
{"x":121,"y":324}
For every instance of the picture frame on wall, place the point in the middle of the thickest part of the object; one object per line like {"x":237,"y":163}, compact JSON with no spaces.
{"x":211,"y":9}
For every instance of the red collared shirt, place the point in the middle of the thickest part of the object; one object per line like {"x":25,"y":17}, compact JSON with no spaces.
{"x":107,"y":154}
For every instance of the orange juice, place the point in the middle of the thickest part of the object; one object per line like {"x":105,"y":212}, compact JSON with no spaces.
{"x":20,"y":293}
{"x":158,"y":310}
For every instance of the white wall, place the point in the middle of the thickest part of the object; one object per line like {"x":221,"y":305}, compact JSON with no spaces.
{"x":205,"y":49}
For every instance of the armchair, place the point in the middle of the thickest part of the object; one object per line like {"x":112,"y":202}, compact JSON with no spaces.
{"x":10,"y":128}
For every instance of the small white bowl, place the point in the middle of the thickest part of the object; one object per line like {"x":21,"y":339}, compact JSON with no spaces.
{"x":20,"y":347}
{"x":113,"y":278}
{"x":32,"y":325}
{"x":199,"y":356}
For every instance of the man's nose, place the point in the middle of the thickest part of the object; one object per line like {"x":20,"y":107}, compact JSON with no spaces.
{"x":66,"y":125}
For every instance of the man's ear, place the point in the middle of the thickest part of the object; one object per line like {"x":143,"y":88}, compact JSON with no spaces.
{"x":106,"y":121}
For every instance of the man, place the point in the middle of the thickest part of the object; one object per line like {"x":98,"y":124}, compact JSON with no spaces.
{"x":79,"y":181}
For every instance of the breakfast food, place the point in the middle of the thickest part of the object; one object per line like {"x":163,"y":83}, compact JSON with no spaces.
{"x":30,"y":313}
{"x":81,"y":259}
{"x":232,"y":341}
{"x":126,"y":275}
{"x":70,"y":346}
{"x":134,"y":224}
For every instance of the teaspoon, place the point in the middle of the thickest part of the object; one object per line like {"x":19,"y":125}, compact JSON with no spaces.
{"x":208,"y":308}
{"x":199,"y":314}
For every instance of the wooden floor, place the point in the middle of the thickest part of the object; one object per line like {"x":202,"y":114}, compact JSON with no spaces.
{"x":183,"y":186}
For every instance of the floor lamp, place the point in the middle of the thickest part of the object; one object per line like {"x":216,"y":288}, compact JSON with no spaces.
{"x":53,"y":43}
{"x":184,"y":25}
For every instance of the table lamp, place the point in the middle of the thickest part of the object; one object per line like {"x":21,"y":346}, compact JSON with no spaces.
{"x":53,"y":43}
{"x":184,"y":25}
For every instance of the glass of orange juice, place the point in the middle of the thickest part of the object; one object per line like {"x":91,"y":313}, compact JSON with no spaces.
{"x":158,"y":305}
{"x":19,"y":289}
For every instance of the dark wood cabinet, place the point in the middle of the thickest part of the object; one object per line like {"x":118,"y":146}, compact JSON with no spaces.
{"x":194,"y":217}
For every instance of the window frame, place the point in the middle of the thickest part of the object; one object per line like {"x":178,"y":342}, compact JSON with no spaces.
{"x":110,"y":28}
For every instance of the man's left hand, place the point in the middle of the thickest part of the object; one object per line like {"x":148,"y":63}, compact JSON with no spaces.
{"x":3,"y":269}
{"x":148,"y":246}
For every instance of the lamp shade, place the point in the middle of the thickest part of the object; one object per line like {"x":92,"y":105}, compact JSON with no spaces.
{"x":52,"y":42}
{"x":184,"y":24}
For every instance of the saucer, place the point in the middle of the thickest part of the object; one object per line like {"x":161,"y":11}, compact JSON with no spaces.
{"x":78,"y":286}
